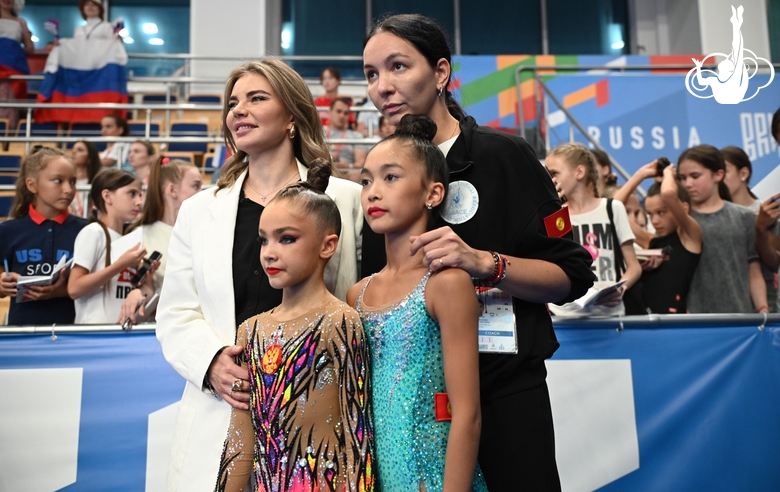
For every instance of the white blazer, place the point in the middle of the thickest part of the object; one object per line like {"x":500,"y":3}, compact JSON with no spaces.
{"x":196,"y":315}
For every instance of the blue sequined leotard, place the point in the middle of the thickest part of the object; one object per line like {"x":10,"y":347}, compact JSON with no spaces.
{"x":407,"y":370}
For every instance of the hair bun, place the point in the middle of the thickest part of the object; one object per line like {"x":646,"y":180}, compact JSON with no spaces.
{"x":417,"y":125}
{"x":319,"y":174}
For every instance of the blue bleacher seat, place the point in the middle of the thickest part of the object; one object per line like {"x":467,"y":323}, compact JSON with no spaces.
{"x":87,"y":131}
{"x":10,"y":162}
{"x":204,"y":98}
{"x":6,"y":201}
{"x":189,"y":129}
{"x":158,"y":97}
{"x":138,"y":128}
{"x":39,"y":129}
{"x":7,"y":179}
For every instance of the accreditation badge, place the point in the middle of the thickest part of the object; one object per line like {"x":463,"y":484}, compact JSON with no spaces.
{"x":461,"y":204}
{"x":496,"y":322}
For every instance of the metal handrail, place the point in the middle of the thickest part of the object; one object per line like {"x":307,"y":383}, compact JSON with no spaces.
{"x":620,"y":169}
{"x":760,"y":321}
{"x":579,"y":68}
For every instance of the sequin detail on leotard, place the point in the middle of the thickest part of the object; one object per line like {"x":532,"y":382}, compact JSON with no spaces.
{"x":407,"y":370}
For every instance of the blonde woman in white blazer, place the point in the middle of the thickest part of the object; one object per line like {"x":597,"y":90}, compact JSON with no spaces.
{"x":270,"y":120}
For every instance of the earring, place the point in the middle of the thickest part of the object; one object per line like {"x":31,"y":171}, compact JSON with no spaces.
{"x":292,"y":132}
{"x":441,"y":91}
{"x":429,"y":205}
{"x":743,"y":179}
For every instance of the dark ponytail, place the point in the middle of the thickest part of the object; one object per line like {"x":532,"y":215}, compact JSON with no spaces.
{"x":428,"y":38}
{"x":310,"y":196}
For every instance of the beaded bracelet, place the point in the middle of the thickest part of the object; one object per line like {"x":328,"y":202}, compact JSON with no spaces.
{"x":499,"y":270}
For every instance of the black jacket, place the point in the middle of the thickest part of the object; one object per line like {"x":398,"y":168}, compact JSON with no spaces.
{"x":515,"y":195}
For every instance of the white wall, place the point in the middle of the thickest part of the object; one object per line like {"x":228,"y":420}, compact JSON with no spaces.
{"x":667,"y":27}
{"x":716,"y":28}
{"x":225,"y":28}
{"x":673,"y":27}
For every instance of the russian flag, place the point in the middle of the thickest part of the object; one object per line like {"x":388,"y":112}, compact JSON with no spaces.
{"x":83,"y":71}
{"x":13,"y":61}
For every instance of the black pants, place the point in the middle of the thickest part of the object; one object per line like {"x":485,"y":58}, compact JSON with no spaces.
{"x":517,"y":447}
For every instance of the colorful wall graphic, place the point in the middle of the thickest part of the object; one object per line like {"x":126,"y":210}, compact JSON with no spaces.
{"x":636,"y":115}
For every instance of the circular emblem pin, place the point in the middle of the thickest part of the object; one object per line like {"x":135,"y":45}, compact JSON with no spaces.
{"x":560,"y":223}
{"x":271,"y":359}
{"x":462,"y":202}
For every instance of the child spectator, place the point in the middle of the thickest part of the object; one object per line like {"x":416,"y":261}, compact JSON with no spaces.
{"x":737,"y":178}
{"x":313,"y":345}
{"x":38,"y":235}
{"x":345,"y":156}
{"x":86,"y":157}
{"x":421,"y":325}
{"x":666,"y":280}
{"x":605,"y":233}
{"x":605,"y":175}
{"x":96,"y":27}
{"x":115,"y":153}
{"x":728,"y":279}
{"x":99,"y":285}
{"x":170,"y":183}
{"x":738,"y":172}
{"x":330,"y":78}
{"x":140,"y":159}
{"x":17,"y":45}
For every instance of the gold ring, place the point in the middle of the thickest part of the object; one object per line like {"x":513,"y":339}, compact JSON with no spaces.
{"x":236,"y":385}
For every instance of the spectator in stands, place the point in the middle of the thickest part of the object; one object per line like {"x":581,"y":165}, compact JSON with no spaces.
{"x":170,"y":183}
{"x":39,"y":233}
{"x":96,"y":27}
{"x":115,"y":153}
{"x":776,"y":126}
{"x":573,"y":169}
{"x":98,"y":284}
{"x":214,"y":279}
{"x":666,"y":279}
{"x":407,"y":63}
{"x":16,"y":43}
{"x":345,"y":156}
{"x":767,"y":242}
{"x":728,"y":279}
{"x":738,"y":172}
{"x":140,"y":158}
{"x":330,"y":78}
{"x":606,"y":176}
{"x":385,"y":127}
{"x":87,"y":160}
{"x":627,"y":194}
{"x":739,"y":169}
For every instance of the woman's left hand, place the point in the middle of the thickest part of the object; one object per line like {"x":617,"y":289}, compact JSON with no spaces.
{"x":444,"y":248}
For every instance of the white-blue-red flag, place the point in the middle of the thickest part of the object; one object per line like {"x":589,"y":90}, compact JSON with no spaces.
{"x":86,"y":71}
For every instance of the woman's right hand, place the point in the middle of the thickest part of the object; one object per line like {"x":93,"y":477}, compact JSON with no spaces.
{"x":132,"y":257}
{"x":8,"y":284}
{"x":224,"y":371}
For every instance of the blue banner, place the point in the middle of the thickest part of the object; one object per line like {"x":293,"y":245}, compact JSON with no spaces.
{"x":669,"y":408}
{"x":639,"y":117}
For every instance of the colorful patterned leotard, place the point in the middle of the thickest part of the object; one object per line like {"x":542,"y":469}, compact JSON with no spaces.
{"x":407,"y":370}
{"x":309,"y":417}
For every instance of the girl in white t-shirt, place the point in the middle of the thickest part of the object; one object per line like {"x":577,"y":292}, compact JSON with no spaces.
{"x":573,"y":169}
{"x":170,"y":183}
{"x":99,"y":285}
{"x":116,"y":153}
